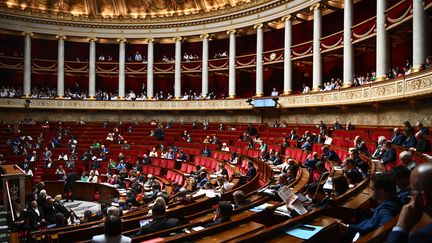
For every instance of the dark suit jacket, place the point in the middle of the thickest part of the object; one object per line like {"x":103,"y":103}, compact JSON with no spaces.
{"x":332,"y":155}
{"x":251,"y":173}
{"x":389,"y":156}
{"x":422,"y":145}
{"x":397,"y":139}
{"x":34,"y":218}
{"x":410,"y":142}
{"x":422,"y":235}
{"x":158,"y":225}
{"x":71,"y":180}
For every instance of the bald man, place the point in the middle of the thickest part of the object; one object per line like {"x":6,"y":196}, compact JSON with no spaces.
{"x":421,"y":184}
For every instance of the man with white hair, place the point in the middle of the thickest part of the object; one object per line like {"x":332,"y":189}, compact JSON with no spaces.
{"x":225,"y":147}
{"x":380,"y":147}
{"x":406,"y":160}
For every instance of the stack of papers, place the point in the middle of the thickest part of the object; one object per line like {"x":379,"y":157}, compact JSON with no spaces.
{"x":260,"y":207}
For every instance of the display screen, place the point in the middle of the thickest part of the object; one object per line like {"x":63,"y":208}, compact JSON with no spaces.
{"x":264,"y":102}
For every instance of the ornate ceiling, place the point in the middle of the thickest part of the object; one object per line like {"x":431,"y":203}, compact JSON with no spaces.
{"x":123,"y":8}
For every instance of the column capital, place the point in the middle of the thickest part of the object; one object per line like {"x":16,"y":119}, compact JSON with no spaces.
{"x":288,"y":17}
{"x":61,"y":37}
{"x":204,"y":36}
{"x":121,"y":40}
{"x":229,"y":32}
{"x":149,"y":40}
{"x":259,"y":26}
{"x":24,"y":33}
{"x":178,"y":38}
{"x":92,"y":39}
{"x":318,"y":6}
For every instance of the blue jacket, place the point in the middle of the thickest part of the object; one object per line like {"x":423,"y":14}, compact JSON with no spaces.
{"x":332,"y":155}
{"x":389,"y":156}
{"x":410,"y":142}
{"x":397,"y":139}
{"x":381,"y":215}
{"x":306,"y":146}
{"x":422,"y":235}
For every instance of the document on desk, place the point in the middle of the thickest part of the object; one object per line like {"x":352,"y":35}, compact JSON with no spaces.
{"x":303,"y":231}
{"x":260,"y":207}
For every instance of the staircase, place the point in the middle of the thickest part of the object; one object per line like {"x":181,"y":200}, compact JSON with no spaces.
{"x":4,"y":229}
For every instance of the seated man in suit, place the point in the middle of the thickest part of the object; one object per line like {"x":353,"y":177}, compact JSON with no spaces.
{"x":222,"y":214}
{"x":35,"y":216}
{"x":113,"y":228}
{"x":422,"y":144}
{"x":251,"y":173}
{"x":360,"y":145}
{"x":384,"y":191}
{"x":307,"y":145}
{"x":421,"y":184}
{"x":406,"y":160}
{"x":389,"y":154}
{"x":311,"y":160}
{"x":329,"y":154}
{"x":397,"y":137}
{"x":159,"y":220}
{"x":401,"y":176}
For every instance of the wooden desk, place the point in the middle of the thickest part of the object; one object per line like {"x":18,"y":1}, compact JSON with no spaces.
{"x":84,"y":190}
{"x":357,"y":201}
{"x":230,"y":234}
{"x":329,"y":224}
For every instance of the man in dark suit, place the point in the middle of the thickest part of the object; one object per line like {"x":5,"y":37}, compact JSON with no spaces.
{"x":35,"y":216}
{"x":421,"y":184}
{"x":330,"y":154}
{"x":223,"y":213}
{"x":397,"y":137}
{"x":251,"y":173}
{"x":159,"y":219}
{"x":422,"y":144}
{"x":384,"y":191}
{"x":389,"y":154}
{"x":70,"y":185}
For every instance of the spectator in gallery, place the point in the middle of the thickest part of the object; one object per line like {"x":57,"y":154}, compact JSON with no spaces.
{"x":306,"y":89}
{"x":101,"y":58}
{"x":138,"y":57}
{"x":274,"y":92}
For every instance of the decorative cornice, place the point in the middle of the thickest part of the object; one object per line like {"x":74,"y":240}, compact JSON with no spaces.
{"x":205,"y":36}
{"x":318,"y":6}
{"x":149,"y":40}
{"x":229,"y":32}
{"x":121,"y":40}
{"x":178,"y":38}
{"x":288,"y":17}
{"x":259,"y":26}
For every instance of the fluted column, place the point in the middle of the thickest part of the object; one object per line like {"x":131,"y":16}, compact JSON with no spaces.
{"x":92,"y":68}
{"x":348,"y":71}
{"x":150,"y":71}
{"x":287,"y":55}
{"x":122,"y":65}
{"x":27,"y":64}
{"x":232,"y":64}
{"x":419,"y":35}
{"x":177,"y":66}
{"x":60,"y":66}
{"x":259,"y":60}
{"x":317,"y":59}
{"x":205,"y":57}
{"x":382,"y":61}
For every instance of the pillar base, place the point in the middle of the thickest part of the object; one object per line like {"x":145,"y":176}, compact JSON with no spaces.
{"x":415,"y":69}
{"x":177,"y":97}
{"x":231,"y":96}
{"x":121,"y":98}
{"x":381,"y":78}
{"x":26,"y":96}
{"x":259,"y":94}
{"x":150,"y":98}
{"x":346,"y":85}
{"x":315,"y":89}
{"x":59,"y":97}
{"x":287,"y":92}
{"x":91,"y":98}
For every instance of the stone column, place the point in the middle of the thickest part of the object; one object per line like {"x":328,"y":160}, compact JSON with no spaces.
{"x":177,"y":66}
{"x":60,"y":66}
{"x":205,"y":58}
{"x":150,"y":71}
{"x":92,"y":68}
{"x":122,"y":65}
{"x":317,"y":59}
{"x":348,"y":71}
{"x":259,"y":60}
{"x":288,"y":82}
{"x":232,"y":64}
{"x":382,"y":62}
{"x":419,"y":34}
{"x":27,"y":64}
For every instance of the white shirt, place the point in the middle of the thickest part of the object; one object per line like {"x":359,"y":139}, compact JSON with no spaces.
{"x":275,"y":93}
{"x":306,"y":89}
{"x":153,"y":154}
{"x":116,"y":239}
{"x":225,"y":148}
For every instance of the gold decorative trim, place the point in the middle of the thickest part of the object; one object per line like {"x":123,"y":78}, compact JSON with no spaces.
{"x":259,"y":26}
{"x":24,"y":33}
{"x":121,"y":40}
{"x":92,"y":39}
{"x":178,"y":38}
{"x":149,"y":40}
{"x":229,"y":32}
{"x":61,"y":37}
{"x":204,"y":36}
{"x":316,"y":6}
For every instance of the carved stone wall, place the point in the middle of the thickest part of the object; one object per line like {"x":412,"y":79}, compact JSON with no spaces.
{"x":387,"y":114}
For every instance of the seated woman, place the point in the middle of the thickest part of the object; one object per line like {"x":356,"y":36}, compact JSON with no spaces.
{"x":222,"y":214}
{"x":93,"y":177}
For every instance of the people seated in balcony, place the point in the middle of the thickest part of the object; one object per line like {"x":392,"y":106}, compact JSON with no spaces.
{"x":307,"y":145}
{"x":384,"y":192}
{"x":422,"y":144}
{"x":274,"y":92}
{"x":422,"y":129}
{"x":349,"y":126}
{"x":101,"y":57}
{"x":206,"y":152}
{"x":306,"y":89}
{"x":49,"y":164}
{"x":411,"y":214}
{"x":138,"y":57}
{"x":410,"y":141}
